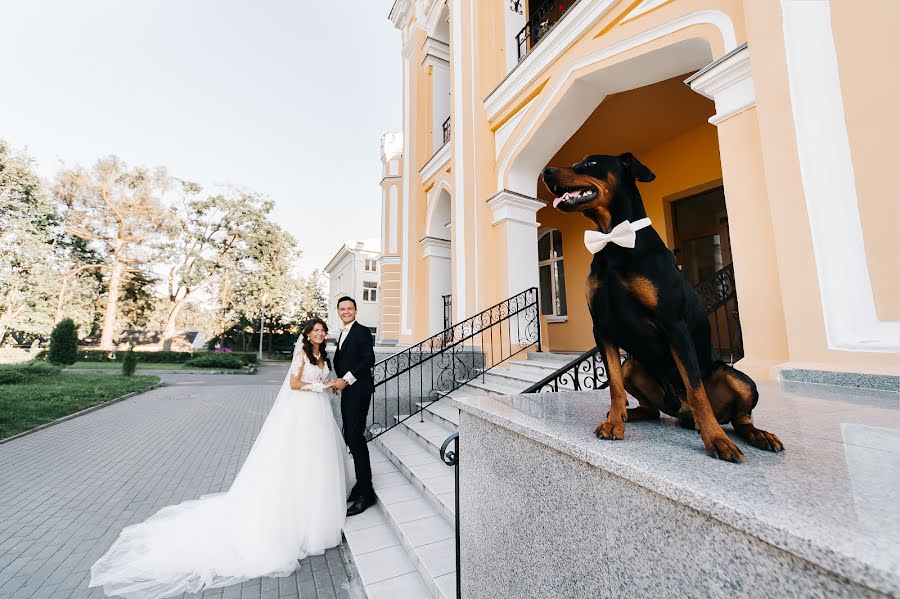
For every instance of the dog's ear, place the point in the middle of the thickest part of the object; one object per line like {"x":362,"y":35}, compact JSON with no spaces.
{"x":632,"y":165}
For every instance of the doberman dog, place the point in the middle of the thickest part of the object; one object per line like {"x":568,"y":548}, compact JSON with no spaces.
{"x":640,"y":302}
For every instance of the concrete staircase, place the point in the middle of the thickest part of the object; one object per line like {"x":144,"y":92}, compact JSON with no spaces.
{"x":405,"y":547}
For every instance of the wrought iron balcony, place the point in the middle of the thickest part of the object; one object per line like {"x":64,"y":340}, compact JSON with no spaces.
{"x":540,"y":23}
{"x":446,"y":127}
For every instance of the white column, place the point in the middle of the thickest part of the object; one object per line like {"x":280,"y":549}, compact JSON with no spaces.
{"x":437,"y":256}
{"x":518,"y":214}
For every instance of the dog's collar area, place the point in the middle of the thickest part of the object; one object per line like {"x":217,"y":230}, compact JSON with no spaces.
{"x":624,"y":234}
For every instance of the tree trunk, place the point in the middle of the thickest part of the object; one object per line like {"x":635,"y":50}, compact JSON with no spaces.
{"x":271,"y":337}
{"x":61,"y":301}
{"x":3,"y":329}
{"x":170,"y":329}
{"x":109,"y":318}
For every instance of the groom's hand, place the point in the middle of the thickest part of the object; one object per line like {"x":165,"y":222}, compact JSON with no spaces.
{"x":339,"y":384}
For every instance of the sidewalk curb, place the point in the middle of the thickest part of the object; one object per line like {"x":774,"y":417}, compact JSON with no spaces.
{"x":81,"y":413}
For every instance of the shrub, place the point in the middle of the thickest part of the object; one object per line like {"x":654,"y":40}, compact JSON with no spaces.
{"x":129,"y":363}
{"x":215,"y":361}
{"x":64,"y":343}
{"x":155,"y":357}
{"x":14,"y":374}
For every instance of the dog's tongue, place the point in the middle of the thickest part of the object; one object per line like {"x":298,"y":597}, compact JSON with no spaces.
{"x":563,"y":198}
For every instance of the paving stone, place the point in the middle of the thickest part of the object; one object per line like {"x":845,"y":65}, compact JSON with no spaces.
{"x":68,"y":490}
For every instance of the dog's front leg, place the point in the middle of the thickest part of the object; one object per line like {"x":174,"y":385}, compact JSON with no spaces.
{"x":714,"y":438}
{"x":614,"y":426}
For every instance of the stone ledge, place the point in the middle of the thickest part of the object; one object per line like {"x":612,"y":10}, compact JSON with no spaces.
{"x":826,"y":499}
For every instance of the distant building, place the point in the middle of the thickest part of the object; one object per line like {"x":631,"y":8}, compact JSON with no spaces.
{"x":354,"y":271}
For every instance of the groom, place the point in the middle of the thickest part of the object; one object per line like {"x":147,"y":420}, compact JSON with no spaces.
{"x":353,"y":363}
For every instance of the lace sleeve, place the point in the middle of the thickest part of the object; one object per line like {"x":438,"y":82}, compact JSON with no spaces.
{"x":298,"y":362}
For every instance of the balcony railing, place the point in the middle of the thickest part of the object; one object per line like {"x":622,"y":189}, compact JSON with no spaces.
{"x":446,"y":128}
{"x":541,"y":22}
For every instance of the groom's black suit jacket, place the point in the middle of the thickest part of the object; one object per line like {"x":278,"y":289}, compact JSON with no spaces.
{"x":356,"y":355}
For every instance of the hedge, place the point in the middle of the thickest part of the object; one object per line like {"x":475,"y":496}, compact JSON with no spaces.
{"x":150,"y":357}
{"x":215,"y":361}
{"x":16,"y":374}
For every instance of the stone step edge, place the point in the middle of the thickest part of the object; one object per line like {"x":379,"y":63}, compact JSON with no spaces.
{"x":426,"y":443}
{"x":447,"y":511}
{"x":386,"y":521}
{"x":412,"y":552}
{"x":436,"y":416}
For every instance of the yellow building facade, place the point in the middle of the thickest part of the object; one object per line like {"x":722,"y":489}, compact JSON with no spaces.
{"x":769,"y":124}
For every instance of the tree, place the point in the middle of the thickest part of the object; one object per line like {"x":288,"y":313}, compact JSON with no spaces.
{"x":118,"y":211}
{"x":63,"y":343}
{"x":206,"y":238}
{"x":26,"y":235}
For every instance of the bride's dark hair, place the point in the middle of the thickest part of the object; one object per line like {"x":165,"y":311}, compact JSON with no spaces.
{"x":307,"y":344}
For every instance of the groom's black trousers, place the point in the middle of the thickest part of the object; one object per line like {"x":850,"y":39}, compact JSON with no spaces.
{"x":354,"y":409}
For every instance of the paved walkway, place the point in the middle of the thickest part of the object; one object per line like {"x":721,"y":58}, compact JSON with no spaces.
{"x":67,"y":491}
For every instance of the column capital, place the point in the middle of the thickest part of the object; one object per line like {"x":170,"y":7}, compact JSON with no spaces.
{"x":509,"y":206}
{"x":435,"y":247}
{"x":728,"y":82}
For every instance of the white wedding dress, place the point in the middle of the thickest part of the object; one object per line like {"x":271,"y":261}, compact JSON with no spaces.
{"x":287,"y":501}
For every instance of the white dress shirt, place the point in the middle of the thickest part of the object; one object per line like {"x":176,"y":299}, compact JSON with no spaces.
{"x":345,"y":330}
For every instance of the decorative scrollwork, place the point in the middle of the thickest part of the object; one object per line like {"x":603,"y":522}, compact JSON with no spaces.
{"x":448,"y":456}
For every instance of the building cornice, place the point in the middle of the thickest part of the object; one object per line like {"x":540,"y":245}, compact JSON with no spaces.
{"x":435,"y":50}
{"x":435,"y":247}
{"x":511,"y":206}
{"x":566,"y":32}
{"x":728,"y":82}
{"x":440,"y":159}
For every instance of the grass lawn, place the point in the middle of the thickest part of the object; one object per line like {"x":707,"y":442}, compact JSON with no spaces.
{"x":27,"y":405}
{"x":142,"y":366}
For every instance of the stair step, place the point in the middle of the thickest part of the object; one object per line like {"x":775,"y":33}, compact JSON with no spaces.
{"x":487,"y":388}
{"x":441,"y":412}
{"x":422,"y":468}
{"x":430,"y":434}
{"x":402,"y":544}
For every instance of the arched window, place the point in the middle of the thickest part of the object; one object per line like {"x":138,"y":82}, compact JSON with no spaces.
{"x":552,"y":275}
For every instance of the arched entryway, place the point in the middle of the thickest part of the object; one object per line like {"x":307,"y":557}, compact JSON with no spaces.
{"x":436,"y":246}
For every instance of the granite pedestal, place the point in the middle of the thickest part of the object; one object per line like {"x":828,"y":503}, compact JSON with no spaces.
{"x":548,"y":510}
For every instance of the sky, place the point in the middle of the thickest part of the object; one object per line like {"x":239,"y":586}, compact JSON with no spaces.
{"x":288,"y":98}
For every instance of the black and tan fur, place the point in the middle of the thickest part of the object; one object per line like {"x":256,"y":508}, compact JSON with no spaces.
{"x":641,"y":303}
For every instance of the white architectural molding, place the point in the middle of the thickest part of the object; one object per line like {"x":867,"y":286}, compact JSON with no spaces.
{"x":669,"y":63}
{"x":728,"y":82}
{"x":501,"y":136}
{"x":643,"y":8}
{"x":432,"y":247}
{"x":829,"y":186}
{"x":393,"y":211}
{"x":508,"y":206}
{"x":433,"y":13}
{"x":389,"y":261}
{"x":435,"y":50}
{"x":459,"y":181}
{"x":431,"y":202}
{"x":516,"y":83}
{"x":518,"y":213}
{"x":405,"y":304}
{"x":437,"y":162}
{"x":566,"y":32}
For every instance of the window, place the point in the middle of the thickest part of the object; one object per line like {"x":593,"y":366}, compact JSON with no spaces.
{"x":371,"y":265}
{"x":370,"y":291}
{"x":552,"y":275}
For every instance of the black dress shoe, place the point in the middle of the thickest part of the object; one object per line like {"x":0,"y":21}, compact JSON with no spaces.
{"x":362,"y":503}
{"x":354,"y":495}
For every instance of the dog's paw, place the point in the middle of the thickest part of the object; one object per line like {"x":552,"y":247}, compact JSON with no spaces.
{"x":764,"y":440}
{"x":720,"y":446}
{"x":611,"y":429}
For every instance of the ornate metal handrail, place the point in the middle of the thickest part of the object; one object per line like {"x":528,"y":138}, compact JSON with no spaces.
{"x":540,"y":23}
{"x":719,"y":297}
{"x":446,"y":130}
{"x":420,"y":375}
{"x":451,"y":458}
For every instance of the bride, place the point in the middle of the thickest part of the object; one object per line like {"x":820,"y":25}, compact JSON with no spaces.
{"x":287,"y":501}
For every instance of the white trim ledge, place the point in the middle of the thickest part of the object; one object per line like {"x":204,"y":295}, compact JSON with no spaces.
{"x":555,"y":319}
{"x":510,"y":206}
{"x":728,"y":82}
{"x":439,"y":160}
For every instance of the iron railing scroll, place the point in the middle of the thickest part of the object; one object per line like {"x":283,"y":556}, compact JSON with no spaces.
{"x":409,"y":381}
{"x":446,"y":130}
{"x":719,"y":298}
{"x":542,"y":20}
{"x":451,"y":458}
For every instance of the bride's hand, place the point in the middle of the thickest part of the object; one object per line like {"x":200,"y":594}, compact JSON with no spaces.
{"x":328,"y":385}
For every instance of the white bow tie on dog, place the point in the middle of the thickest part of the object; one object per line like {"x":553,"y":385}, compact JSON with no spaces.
{"x":623,"y":234}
